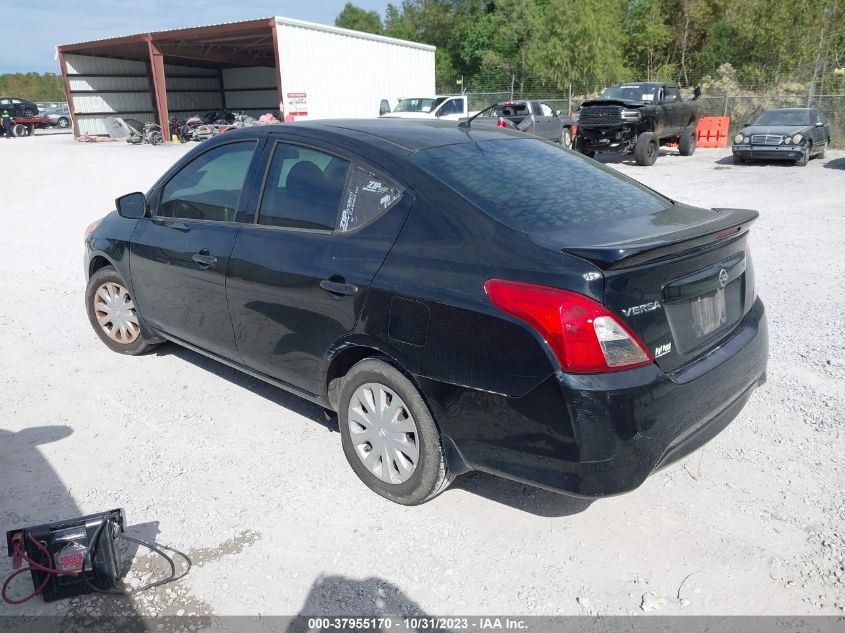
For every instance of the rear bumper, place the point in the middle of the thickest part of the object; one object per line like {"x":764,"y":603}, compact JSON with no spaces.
{"x":770,"y":152}
{"x":604,"y":434}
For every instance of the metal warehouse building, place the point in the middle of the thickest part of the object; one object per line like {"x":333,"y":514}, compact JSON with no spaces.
{"x":303,"y":69}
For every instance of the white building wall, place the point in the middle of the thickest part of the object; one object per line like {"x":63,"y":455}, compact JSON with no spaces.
{"x":345,"y":73}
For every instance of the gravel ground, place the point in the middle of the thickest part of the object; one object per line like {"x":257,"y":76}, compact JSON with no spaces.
{"x":252,"y":482}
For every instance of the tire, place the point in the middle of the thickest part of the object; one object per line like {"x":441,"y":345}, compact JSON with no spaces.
{"x":20,"y":129}
{"x":686,"y":144}
{"x":28,"y":113}
{"x":802,"y":162}
{"x":416,"y":445}
{"x":824,"y":149}
{"x":63,"y":122}
{"x":646,"y":149}
{"x":738,"y":160}
{"x":578,"y":145}
{"x":105,"y":289}
{"x":566,"y":137}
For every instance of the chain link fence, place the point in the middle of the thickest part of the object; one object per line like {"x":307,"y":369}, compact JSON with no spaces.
{"x":742,"y":108}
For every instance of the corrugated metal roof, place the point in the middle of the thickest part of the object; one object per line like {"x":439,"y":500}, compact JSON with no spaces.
{"x":279,"y":20}
{"x":180,"y":28}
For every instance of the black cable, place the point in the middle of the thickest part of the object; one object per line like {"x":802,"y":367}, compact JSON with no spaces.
{"x":90,"y":553}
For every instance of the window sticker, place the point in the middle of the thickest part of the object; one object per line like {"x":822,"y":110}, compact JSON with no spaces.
{"x":368,"y":196}
{"x":647,"y":97}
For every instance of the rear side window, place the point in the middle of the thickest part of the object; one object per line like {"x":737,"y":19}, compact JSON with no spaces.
{"x":210,"y":186}
{"x":367,"y":197}
{"x":303,"y":188}
{"x":531,"y":185}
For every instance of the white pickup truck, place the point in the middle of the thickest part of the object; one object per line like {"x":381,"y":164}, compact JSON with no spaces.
{"x":449,"y":107}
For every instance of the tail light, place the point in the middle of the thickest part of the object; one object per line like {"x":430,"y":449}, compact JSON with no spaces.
{"x":501,"y":123}
{"x":585,"y":337}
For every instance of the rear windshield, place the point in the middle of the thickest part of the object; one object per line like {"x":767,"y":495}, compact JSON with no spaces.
{"x":532,"y":186}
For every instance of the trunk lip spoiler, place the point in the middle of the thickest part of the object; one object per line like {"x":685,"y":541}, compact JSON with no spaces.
{"x":727,"y":225}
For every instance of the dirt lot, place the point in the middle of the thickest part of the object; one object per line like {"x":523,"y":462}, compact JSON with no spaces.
{"x":252,"y":482}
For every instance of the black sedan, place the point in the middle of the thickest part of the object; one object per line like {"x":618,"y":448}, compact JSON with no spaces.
{"x":20,"y":108}
{"x":562,"y":326}
{"x":793,"y":134}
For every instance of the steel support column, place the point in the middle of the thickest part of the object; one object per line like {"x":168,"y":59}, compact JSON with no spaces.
{"x":159,"y":87}
{"x":68,"y":94}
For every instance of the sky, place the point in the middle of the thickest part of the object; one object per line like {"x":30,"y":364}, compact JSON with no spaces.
{"x":30,"y":30}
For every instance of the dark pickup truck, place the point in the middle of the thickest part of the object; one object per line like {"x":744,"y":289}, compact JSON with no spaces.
{"x":638,"y":118}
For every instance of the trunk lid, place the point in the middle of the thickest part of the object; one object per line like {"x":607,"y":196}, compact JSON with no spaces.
{"x":680,"y":279}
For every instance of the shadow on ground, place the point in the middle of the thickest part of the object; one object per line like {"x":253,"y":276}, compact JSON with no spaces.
{"x":516,"y":495}
{"x":275,"y":395}
{"x":836,"y":163}
{"x":520,"y":496}
{"x":338,"y":595}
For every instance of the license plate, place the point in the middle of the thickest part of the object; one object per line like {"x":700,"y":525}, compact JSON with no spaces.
{"x":709,"y":313}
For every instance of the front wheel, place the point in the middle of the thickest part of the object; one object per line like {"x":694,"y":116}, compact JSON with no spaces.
{"x":112,"y":313}
{"x":581,"y":147}
{"x":802,"y":162}
{"x":646,"y":149}
{"x":28,"y":113}
{"x":389,"y":436}
{"x":63,"y":122}
{"x":686,"y":144}
{"x":566,"y":137}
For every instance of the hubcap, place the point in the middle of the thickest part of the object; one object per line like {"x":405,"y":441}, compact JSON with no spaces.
{"x":116,"y":313}
{"x":383,"y":433}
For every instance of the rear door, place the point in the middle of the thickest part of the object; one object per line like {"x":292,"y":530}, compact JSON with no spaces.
{"x":178,"y":258}
{"x":299,"y":275}
{"x":553,"y":126}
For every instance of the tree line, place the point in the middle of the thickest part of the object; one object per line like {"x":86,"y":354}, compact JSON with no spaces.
{"x":597,"y":42}
{"x":32,"y":86}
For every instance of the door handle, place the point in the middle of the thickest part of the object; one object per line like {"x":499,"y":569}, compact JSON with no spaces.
{"x":204,"y":259}
{"x":338,"y":287}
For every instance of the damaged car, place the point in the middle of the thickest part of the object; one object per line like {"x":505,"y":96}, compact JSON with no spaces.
{"x":562,"y":326}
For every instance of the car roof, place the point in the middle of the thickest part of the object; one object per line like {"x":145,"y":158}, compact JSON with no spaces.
{"x":411,"y":135}
{"x":789,"y":109}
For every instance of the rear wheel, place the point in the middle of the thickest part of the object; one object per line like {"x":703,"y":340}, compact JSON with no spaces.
{"x":686,"y":144}
{"x":566,"y":137}
{"x":63,"y":122}
{"x":646,"y":149}
{"x":389,"y":436}
{"x":823,"y":149}
{"x":28,"y":113}
{"x":112,"y":313}
{"x":20,"y":129}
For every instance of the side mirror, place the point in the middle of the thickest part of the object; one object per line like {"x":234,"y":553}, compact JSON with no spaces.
{"x":696,"y":93}
{"x":132,"y":205}
{"x":746,"y":125}
{"x":557,"y":112}
{"x":384,"y":107}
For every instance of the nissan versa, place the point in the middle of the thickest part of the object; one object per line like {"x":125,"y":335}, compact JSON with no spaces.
{"x":464,"y":298}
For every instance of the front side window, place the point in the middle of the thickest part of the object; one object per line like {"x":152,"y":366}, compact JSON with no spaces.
{"x":546,"y":110}
{"x":210,"y":186}
{"x":453,"y":106}
{"x":303,"y":188}
{"x":672,"y":94}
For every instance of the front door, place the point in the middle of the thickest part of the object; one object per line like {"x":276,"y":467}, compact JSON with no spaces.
{"x":178,"y":258}
{"x":298,"y":276}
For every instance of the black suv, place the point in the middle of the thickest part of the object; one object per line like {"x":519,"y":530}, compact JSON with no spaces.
{"x":18,"y":107}
{"x":562,"y":325}
{"x":638,"y":118}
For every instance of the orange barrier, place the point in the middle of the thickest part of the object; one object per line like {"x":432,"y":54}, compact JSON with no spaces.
{"x":712,"y":131}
